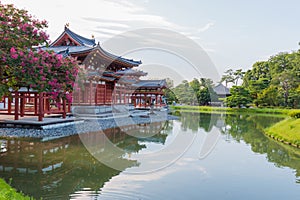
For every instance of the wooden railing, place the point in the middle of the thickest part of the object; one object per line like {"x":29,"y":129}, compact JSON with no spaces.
{"x":22,"y":104}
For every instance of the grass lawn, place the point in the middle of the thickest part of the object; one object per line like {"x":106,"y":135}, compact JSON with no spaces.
{"x":287,"y":131}
{"x":9,"y":193}
{"x":232,"y":110}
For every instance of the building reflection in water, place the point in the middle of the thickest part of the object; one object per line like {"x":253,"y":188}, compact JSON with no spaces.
{"x":57,"y":168}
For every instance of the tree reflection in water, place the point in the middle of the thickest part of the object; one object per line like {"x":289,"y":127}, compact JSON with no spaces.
{"x":247,"y":128}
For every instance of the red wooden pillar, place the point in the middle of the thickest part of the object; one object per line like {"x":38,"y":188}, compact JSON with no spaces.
{"x":156,"y":100}
{"x":64,"y":108}
{"x":96,"y":94}
{"x":16,"y":106}
{"x":160,"y":100}
{"x":47,"y":106}
{"x":22,"y":104}
{"x":41,"y":106}
{"x":140,"y":102}
{"x":70,"y":102}
{"x":115,"y":94}
{"x":35,"y":104}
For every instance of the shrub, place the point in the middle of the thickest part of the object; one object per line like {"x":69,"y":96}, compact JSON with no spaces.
{"x":295,"y":114}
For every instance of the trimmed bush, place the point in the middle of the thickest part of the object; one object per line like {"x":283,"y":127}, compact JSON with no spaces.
{"x":295,"y":114}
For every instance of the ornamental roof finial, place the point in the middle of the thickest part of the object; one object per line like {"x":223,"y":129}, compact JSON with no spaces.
{"x":67,"y":25}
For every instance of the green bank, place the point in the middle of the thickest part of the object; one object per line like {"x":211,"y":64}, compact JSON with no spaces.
{"x":9,"y":193}
{"x":186,"y":108}
{"x":286,"y":131}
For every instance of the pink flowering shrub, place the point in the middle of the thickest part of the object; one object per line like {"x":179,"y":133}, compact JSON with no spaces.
{"x":22,"y":65}
{"x":43,"y":71}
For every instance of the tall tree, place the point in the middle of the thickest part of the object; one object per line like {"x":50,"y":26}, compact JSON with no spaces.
{"x":238,"y":75}
{"x":240,"y":97}
{"x":228,"y":77}
{"x":287,"y":81}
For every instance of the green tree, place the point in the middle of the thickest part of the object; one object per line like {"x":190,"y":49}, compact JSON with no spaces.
{"x":240,"y":97}
{"x":288,"y":81}
{"x":260,"y":70}
{"x":238,"y":75}
{"x":256,"y":87}
{"x":270,"y":97}
{"x":228,"y":77}
{"x":169,"y":91}
{"x":185,"y":94}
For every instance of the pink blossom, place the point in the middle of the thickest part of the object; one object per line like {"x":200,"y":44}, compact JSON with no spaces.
{"x":14,"y":56}
{"x":12,"y":50}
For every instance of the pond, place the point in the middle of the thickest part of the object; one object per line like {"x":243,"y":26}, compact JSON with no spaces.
{"x":199,"y":156}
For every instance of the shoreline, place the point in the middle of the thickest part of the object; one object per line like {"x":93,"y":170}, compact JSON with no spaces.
{"x":274,"y":111}
{"x":89,"y":125}
{"x":289,"y":135}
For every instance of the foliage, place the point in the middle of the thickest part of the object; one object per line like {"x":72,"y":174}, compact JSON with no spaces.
{"x":169,"y":94}
{"x":295,"y":114}
{"x":23,"y":65}
{"x":185,"y":94}
{"x":228,"y":77}
{"x":197,"y":92}
{"x":7,"y":192}
{"x":240,"y":97}
{"x":210,"y":109}
{"x":287,"y":131}
{"x":275,"y":82}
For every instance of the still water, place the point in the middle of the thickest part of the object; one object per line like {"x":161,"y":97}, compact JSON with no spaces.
{"x":199,"y":156}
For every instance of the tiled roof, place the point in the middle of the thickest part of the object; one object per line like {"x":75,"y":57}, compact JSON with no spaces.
{"x":128,"y":72}
{"x":221,"y":90}
{"x":70,"y":49}
{"x":99,"y":76}
{"x":80,"y":39}
{"x":119,"y":58}
{"x":83,"y":41}
{"x":151,"y":83}
{"x":87,"y":45}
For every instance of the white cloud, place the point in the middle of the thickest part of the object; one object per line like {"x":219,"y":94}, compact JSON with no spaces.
{"x":206,"y":27}
{"x":102,"y":18}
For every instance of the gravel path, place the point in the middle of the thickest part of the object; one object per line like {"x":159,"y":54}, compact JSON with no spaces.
{"x":89,"y":125}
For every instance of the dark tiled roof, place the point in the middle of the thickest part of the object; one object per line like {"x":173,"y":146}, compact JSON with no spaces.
{"x":83,"y":41}
{"x":87,"y":45}
{"x":151,"y":84}
{"x":128,"y":72}
{"x":80,"y":39}
{"x":221,"y":90}
{"x":119,"y":58}
{"x":97,"y":75}
{"x":126,"y":81}
{"x":70,"y":49}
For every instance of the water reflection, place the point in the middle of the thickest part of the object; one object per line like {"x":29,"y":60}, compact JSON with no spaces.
{"x":247,"y":128}
{"x":63,"y":168}
{"x":58,"y":168}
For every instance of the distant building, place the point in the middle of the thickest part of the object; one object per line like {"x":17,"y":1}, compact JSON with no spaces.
{"x":222,"y":92}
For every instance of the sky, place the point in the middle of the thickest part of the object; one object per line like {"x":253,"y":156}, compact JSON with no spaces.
{"x":233,"y":33}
